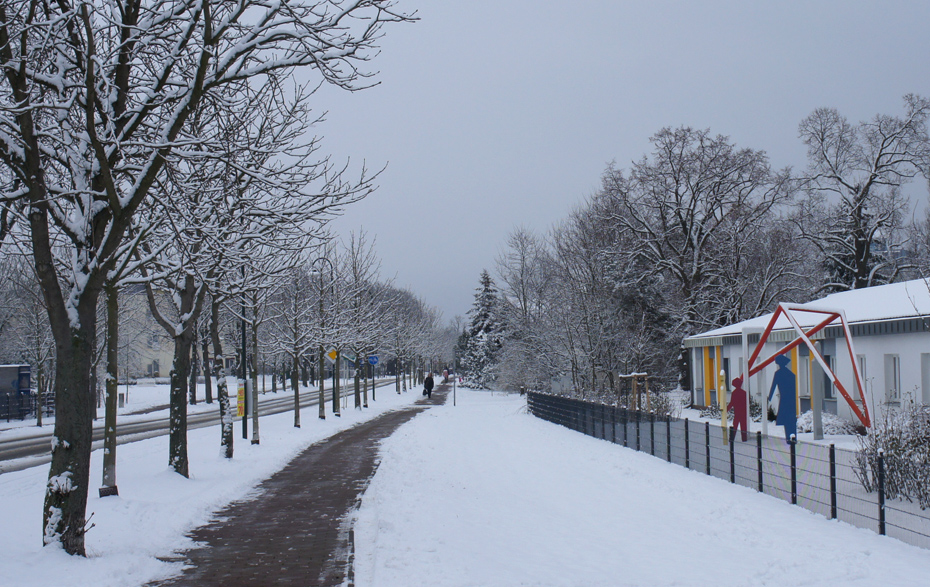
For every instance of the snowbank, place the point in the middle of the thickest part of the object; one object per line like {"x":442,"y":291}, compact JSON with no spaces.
{"x":485,"y":494}
{"x":155,"y":507}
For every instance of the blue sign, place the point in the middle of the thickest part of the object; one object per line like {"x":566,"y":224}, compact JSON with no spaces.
{"x":373,"y":360}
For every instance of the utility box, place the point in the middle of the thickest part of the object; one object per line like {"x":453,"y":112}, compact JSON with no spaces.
{"x":16,"y":401}
{"x":15,"y":378}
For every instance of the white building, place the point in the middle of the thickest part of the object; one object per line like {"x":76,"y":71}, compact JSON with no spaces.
{"x":890,"y":327}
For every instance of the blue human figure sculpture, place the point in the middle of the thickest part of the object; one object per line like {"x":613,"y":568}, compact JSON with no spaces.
{"x":785,"y":381}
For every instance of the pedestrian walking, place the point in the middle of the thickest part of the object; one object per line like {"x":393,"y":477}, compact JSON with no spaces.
{"x":428,"y":385}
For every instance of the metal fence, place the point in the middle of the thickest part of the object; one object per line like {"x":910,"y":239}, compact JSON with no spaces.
{"x":822,"y":479}
{"x":19,"y":406}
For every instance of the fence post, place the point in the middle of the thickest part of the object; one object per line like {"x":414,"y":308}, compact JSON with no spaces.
{"x":881,"y":491}
{"x":668,"y":437}
{"x":613,"y":424}
{"x":626,"y":420}
{"x":733,"y":460}
{"x":638,"y":418}
{"x":603,"y":421}
{"x":759,"y":458}
{"x":832,"y":482}
{"x":687,"y":447}
{"x":652,"y":433}
{"x":707,"y":447}
{"x":794,"y":470}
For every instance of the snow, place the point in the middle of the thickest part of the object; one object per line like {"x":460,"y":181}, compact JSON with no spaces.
{"x":484,"y":494}
{"x":480,"y":493}
{"x":155,"y":507}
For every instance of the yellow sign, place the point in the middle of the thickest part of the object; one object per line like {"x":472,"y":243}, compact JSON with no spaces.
{"x":332,"y":354}
{"x":240,"y":400}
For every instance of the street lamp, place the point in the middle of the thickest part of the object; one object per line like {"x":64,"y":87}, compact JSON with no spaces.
{"x":322,"y":363}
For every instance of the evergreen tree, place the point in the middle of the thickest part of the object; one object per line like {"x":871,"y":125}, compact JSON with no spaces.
{"x":483,"y":336}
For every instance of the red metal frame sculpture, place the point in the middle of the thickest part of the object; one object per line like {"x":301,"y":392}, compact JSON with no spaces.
{"x":831,"y":316}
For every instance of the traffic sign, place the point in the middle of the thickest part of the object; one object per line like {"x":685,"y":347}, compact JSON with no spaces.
{"x":332,"y":354}
{"x":373,"y":359}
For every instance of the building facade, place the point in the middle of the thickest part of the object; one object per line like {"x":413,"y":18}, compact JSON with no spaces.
{"x":890,"y":330}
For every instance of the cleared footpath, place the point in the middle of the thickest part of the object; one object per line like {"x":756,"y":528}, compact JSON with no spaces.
{"x":295,"y":530}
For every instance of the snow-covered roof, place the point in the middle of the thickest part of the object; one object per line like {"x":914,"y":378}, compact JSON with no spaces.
{"x":908,"y":299}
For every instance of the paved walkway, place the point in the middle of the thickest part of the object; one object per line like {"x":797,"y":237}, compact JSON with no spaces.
{"x":295,"y":531}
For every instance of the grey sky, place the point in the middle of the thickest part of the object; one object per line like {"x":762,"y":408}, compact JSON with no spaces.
{"x":496,"y":113}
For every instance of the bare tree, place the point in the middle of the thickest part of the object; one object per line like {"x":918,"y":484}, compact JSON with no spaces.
{"x":680,"y":204}
{"x":97,"y":97}
{"x":861,"y":169}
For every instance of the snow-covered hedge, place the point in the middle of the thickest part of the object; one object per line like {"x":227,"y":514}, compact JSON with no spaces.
{"x":904,"y":437}
{"x":832,"y":424}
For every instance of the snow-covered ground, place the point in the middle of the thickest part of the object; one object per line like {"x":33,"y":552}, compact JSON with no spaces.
{"x":478,"y":494}
{"x":155,"y":507}
{"x":485,"y":494}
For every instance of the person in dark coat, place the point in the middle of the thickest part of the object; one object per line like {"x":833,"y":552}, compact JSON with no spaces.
{"x":738,"y":405}
{"x":785,"y":381}
{"x":428,"y":385}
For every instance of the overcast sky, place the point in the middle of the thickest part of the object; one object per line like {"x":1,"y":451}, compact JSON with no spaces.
{"x":492,"y":114}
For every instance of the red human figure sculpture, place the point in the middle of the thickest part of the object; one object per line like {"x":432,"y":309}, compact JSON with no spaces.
{"x":738,"y":405}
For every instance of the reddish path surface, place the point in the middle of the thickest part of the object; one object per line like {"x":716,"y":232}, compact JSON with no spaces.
{"x":295,"y":531}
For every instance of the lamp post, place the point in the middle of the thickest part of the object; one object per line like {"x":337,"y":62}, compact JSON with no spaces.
{"x":322,"y":364}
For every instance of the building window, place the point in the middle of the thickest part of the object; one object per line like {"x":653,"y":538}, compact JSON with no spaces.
{"x":925,"y":378}
{"x":892,"y":378}
{"x":827,"y":382}
{"x":860,"y":363}
{"x":698,"y":369}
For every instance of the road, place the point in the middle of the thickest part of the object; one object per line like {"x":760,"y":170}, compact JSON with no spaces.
{"x":29,"y":451}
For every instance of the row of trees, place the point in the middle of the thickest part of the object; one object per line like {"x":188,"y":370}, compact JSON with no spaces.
{"x":166,"y":146}
{"x":698,"y":234}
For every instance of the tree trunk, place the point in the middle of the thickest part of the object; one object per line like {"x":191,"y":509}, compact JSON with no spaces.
{"x":322,"y":397}
{"x":65,"y":505}
{"x":255,"y":436}
{"x":397,"y":375}
{"x":222,"y":392}
{"x":207,"y":382}
{"x":358,"y":383}
{"x":177,"y":419}
{"x":295,"y":385}
{"x":112,"y":381}
{"x":365,"y":381}
{"x":40,"y":395}
{"x":192,"y":385}
{"x":336,"y":391}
